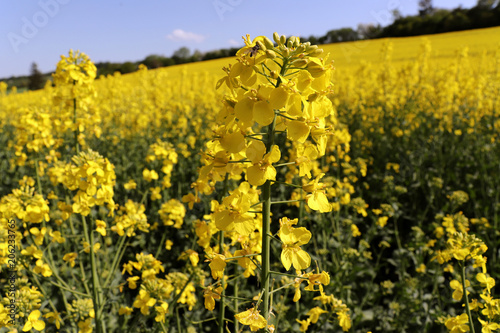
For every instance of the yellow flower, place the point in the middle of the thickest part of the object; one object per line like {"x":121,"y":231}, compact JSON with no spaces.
{"x":39,"y":234}
{"x":458,"y":324}
{"x":233,"y":213}
{"x":488,"y":327}
{"x":172,"y":213}
{"x":458,"y":289}
{"x":316,"y":280}
{"x":191,"y":255}
{"x":125,"y":311}
{"x":252,"y":318}
{"x":130,"y":185}
{"x":34,"y":322}
{"x":382,"y":221}
{"x":85,"y":326}
{"x":70,"y":257}
{"x":42,"y":268}
{"x":144,"y":301}
{"x":292,"y":254}
{"x":149,"y":175}
{"x":314,"y":314}
{"x":210,"y":294}
{"x":344,"y":320}
{"x":304,"y":324}
{"x":355,"y":231}
{"x":305,"y":157}
{"x":262,"y":168}
{"x":101,"y":227}
{"x":161,"y":312}
{"x":316,"y":199}
{"x":57,"y":237}
{"x":54,"y":317}
{"x":132,"y":282}
{"x":421,"y":268}
{"x":486,"y":281}
{"x":217,"y":265}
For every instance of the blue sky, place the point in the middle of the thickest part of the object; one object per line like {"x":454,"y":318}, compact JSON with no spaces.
{"x":129,"y":30}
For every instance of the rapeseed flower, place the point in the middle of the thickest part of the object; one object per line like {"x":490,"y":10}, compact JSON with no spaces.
{"x":252,"y":318}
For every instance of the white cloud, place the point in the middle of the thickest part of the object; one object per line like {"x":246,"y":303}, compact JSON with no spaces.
{"x":180,"y":35}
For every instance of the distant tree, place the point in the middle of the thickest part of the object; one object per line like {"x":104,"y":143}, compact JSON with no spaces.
{"x":487,"y":4}
{"x":182,"y":53}
{"x":196,"y":56}
{"x":312,"y":39}
{"x":128,"y":67}
{"x":36,"y":80}
{"x":368,"y":31}
{"x":425,"y":7}
{"x":339,"y":35}
{"x":396,"y":14}
{"x":153,"y":61}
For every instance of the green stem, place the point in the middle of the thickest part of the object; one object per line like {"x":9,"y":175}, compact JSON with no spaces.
{"x":266,"y":243}
{"x":266,"y":218}
{"x":96,"y":289}
{"x":70,"y":290}
{"x":178,"y":320}
{"x":116,"y":261}
{"x":236,"y":304}
{"x":39,"y":285}
{"x":466,"y":297}
{"x":80,"y":262}
{"x":161,"y":244}
{"x":222,"y":305}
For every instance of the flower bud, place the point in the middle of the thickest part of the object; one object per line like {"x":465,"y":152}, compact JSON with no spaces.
{"x":268,"y":43}
{"x":316,"y":53}
{"x":311,"y":48}
{"x":261,"y":45}
{"x":290,"y":42}
{"x":270,"y":54}
{"x":300,"y":62}
{"x":282,"y":40}
{"x":301,"y":48}
{"x":274,"y":75}
{"x":276,"y":37}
